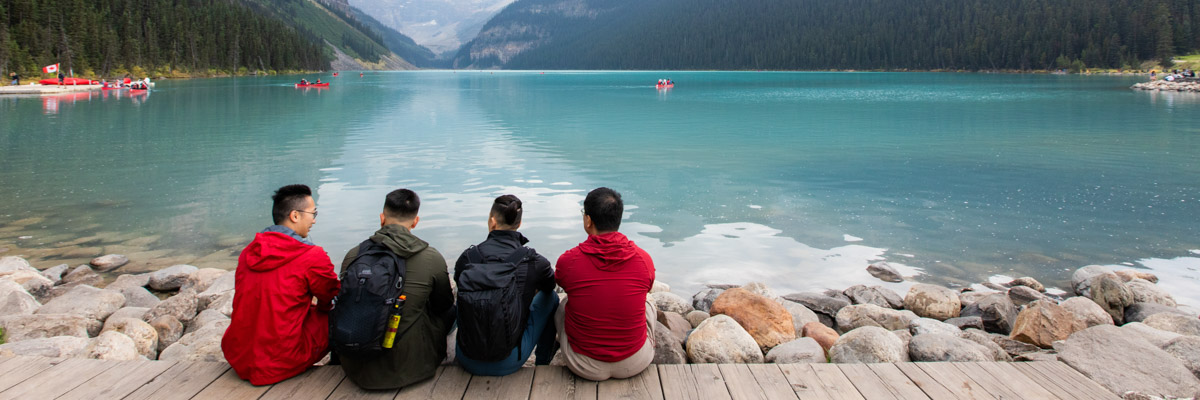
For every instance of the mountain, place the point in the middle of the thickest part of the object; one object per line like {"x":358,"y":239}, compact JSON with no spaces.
{"x":844,"y":34}
{"x":440,"y":25}
{"x":400,"y":44}
{"x":352,"y":44}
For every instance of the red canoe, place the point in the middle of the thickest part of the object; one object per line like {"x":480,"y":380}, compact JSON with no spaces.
{"x":326,"y":84}
{"x":68,"y":81}
{"x":667,"y":86}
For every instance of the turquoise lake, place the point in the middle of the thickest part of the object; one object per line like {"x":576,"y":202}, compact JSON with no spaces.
{"x":798,"y":179}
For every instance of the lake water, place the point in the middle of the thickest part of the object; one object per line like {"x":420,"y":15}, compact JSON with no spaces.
{"x":795,"y":179}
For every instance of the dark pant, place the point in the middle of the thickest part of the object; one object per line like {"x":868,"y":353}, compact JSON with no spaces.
{"x":539,"y":332}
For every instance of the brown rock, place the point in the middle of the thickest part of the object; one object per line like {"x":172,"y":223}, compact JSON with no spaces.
{"x":766,"y":320}
{"x":824,"y":335}
{"x":1043,"y":322}
{"x":1131,"y":274}
{"x":932,"y":301}
{"x":1112,"y":295}
{"x":1027,"y":282}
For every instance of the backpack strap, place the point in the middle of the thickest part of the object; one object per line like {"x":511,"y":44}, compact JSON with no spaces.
{"x":518,"y":256}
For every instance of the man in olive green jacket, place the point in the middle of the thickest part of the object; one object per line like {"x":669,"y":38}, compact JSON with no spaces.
{"x":428,"y":312}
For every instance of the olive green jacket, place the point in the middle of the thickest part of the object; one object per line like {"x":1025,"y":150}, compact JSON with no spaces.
{"x":425,"y":320}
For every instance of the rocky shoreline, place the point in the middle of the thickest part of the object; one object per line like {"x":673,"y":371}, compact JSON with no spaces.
{"x":1168,"y":86}
{"x":1119,"y":328}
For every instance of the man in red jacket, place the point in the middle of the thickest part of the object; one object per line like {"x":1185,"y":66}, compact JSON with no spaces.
{"x":283,"y":286}
{"x":606,"y":317}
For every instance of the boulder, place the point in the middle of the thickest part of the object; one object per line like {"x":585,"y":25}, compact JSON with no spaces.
{"x":696,"y":317}
{"x":764,"y":319}
{"x":1154,"y":336}
{"x":801,"y":315}
{"x":703,"y":300}
{"x":859,"y":315}
{"x":109,"y":262}
{"x":1171,"y":322}
{"x":668,"y":348}
{"x":171,"y":278}
{"x":824,"y":335}
{"x":885,"y":272}
{"x":25,"y":327}
{"x":1022,"y":295}
{"x":203,"y":278}
{"x":1185,"y":348}
{"x":144,"y":336}
{"x":654,"y":288}
{"x":943,"y":347}
{"x":1127,"y":275}
{"x":678,"y":325}
{"x":996,"y":310}
{"x":905,"y":338}
{"x":800,"y":351}
{"x":1122,"y":362}
{"x":721,"y":340}
{"x":1138,"y":312}
{"x":11,"y":264}
{"x":14,"y":300}
{"x":111,"y":345}
{"x":761,"y":289}
{"x":201,"y":345}
{"x":53,"y":347}
{"x":129,"y":281}
{"x":1146,"y":292}
{"x":224,"y":304}
{"x":818,"y":302}
{"x":87,"y":301}
{"x":1087,"y":311}
{"x":1012,"y":347}
{"x":125,"y":312}
{"x":1081,"y":279}
{"x":182,"y":306}
{"x":837,"y":294}
{"x":984,"y":339}
{"x":139,"y":297}
{"x":923,"y":326}
{"x":966,"y":322}
{"x":54,"y":274}
{"x":670,"y":302}
{"x":877,"y":295}
{"x":970,"y":297}
{"x":83,"y":275}
{"x":932,"y":301}
{"x":1027,"y":282}
{"x":220,"y":286}
{"x":32,"y":281}
{"x":169,"y":330}
{"x":868,"y":344}
{"x":1043,"y":322}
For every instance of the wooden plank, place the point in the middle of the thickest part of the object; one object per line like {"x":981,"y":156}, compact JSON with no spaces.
{"x":316,"y":383}
{"x":709,"y":382}
{"x":421,"y":390}
{"x":120,"y":380}
{"x":181,"y":381}
{"x":1060,"y":389}
{"x":834,"y":381}
{"x":804,"y":381}
{"x":645,"y":385}
{"x":559,"y":383}
{"x":932,"y":388}
{"x":21,"y":368}
{"x":897,"y":382}
{"x":868,"y":384}
{"x":514,"y":386}
{"x":1086,"y":388}
{"x":58,"y":379}
{"x":994,"y":386}
{"x":955,"y":381}
{"x":1005,"y":372}
{"x":741,"y":383}
{"x":451,"y":384}
{"x":770,"y":378}
{"x":229,"y":386}
{"x":347,"y":390}
{"x":697,"y":381}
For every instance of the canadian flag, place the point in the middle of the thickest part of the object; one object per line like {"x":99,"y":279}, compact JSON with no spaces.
{"x":50,"y":69}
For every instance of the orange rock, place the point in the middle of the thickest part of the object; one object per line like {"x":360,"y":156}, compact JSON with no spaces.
{"x":1042,"y":322}
{"x":766,"y":320}
{"x":824,"y":335}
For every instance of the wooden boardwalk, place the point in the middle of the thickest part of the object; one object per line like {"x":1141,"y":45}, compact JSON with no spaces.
{"x":46,"y":378}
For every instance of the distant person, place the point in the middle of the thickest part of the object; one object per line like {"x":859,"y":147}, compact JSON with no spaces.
{"x":61,"y":78}
{"x":506,"y":298}
{"x":318,"y":81}
{"x":428,"y":312}
{"x":604,"y":323}
{"x":360,"y":74}
{"x":283,"y":286}
{"x":16,"y":79}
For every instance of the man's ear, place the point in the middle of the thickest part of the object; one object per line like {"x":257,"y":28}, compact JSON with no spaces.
{"x":414,"y":223}
{"x":382,"y":220}
{"x":294,"y":216}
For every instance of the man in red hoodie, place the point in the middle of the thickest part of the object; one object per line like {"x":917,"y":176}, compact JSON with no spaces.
{"x":606,"y":317}
{"x":283,"y":286}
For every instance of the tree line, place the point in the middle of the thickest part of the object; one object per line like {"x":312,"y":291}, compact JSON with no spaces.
{"x":105,"y":37}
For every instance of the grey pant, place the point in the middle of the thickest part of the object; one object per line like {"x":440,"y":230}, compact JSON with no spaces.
{"x":592,"y":369}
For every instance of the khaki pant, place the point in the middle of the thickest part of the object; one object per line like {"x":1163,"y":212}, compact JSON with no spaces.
{"x":589,"y":368}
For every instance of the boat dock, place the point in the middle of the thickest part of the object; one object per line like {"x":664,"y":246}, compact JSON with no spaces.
{"x":72,"y":378}
{"x":46,"y":89}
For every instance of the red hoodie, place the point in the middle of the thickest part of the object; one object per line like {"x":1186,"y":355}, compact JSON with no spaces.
{"x":606,"y":279}
{"x":276,"y":332}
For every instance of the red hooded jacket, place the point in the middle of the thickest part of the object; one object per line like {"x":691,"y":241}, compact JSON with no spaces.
{"x":606,"y":279}
{"x":276,"y":332}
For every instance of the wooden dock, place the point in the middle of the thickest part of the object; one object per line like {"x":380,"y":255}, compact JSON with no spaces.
{"x":47,"y":378}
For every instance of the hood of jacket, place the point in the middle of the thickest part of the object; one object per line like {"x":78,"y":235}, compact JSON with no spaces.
{"x":271,"y":250}
{"x":612,"y":249}
{"x":400,"y":240}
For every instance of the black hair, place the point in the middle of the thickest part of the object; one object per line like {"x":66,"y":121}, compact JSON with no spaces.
{"x":286,"y":199}
{"x":401,"y":205}
{"x":604,"y":206}
{"x":507,"y":210}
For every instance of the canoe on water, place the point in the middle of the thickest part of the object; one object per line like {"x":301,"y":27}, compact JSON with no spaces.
{"x":68,"y":81}
{"x":325,"y":84}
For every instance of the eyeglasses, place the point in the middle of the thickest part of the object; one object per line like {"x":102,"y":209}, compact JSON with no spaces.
{"x":582,"y":211}
{"x":313,"y":212}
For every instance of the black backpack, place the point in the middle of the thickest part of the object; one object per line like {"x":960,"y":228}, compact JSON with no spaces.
{"x":490,"y":306}
{"x":371,"y":285}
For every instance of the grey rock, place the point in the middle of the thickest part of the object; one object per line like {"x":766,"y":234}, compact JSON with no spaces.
{"x":720,"y":339}
{"x":111,"y":345}
{"x":125,"y":312}
{"x":1138,"y":312}
{"x":703,"y":300}
{"x":1172,"y":322}
{"x":182,"y":306}
{"x":53,"y":347}
{"x":674,"y":322}
{"x":171,"y":278}
{"x":966,"y":322}
{"x":32,"y":281}
{"x":1146,"y":292}
{"x":25,"y":327}
{"x":859,"y":315}
{"x":109,"y":262}
{"x":169,"y":330}
{"x":1081,"y":279}
{"x":984,"y":339}
{"x":139,"y":297}
{"x":658,"y":286}
{"x":224,"y":304}
{"x":54,"y":274}
{"x":905,"y":338}
{"x":670,"y":302}
{"x":1087,"y":311}
{"x":203,"y":278}
{"x":129,"y":281}
{"x":966,"y":299}
{"x":201,"y":345}
{"x":144,"y":336}
{"x":87,"y":301}
{"x":877,"y":295}
{"x":14,"y":300}
{"x":761,"y":289}
{"x":83,"y":275}
{"x":1014,"y":348}
{"x":924,"y":326}
{"x":1027,"y":282}
{"x":800,"y":351}
{"x":696,"y":317}
{"x":837,"y":294}
{"x":932,"y":301}
{"x":1155,"y":336}
{"x":943,"y":347}
{"x":885,"y":272}
{"x":997,"y":312}
{"x":818,"y":302}
{"x":1022,"y":295}
{"x":1121,"y":362}
{"x":1185,"y":348}
{"x":868,"y":344}
{"x":801,"y":315}
{"x":668,"y":348}
{"x":218,"y":287}
{"x":11,"y":264}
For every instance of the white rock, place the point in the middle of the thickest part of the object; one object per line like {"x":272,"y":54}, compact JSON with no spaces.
{"x":129,"y":281}
{"x":921,"y":326}
{"x":1155,"y":336}
{"x":804,"y":350}
{"x":139,"y":297}
{"x":125,"y":312}
{"x":10,"y":264}
{"x":87,"y":301}
{"x":14,"y":300}
{"x":720,"y":339}
{"x":218,"y":287}
{"x":670,"y":302}
{"x":224,"y":304}
{"x":109,"y":262}
{"x":203,"y":278}
{"x":660,"y":287}
{"x":145,"y":337}
{"x":171,"y":278}
{"x":32,"y":281}
{"x":25,"y":327}
{"x":1144,"y":291}
{"x":868,"y":344}
{"x":54,"y":274}
{"x":1087,"y":311}
{"x":111,"y":345}
{"x":182,"y":306}
{"x":203,"y":319}
{"x":201,"y":345}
